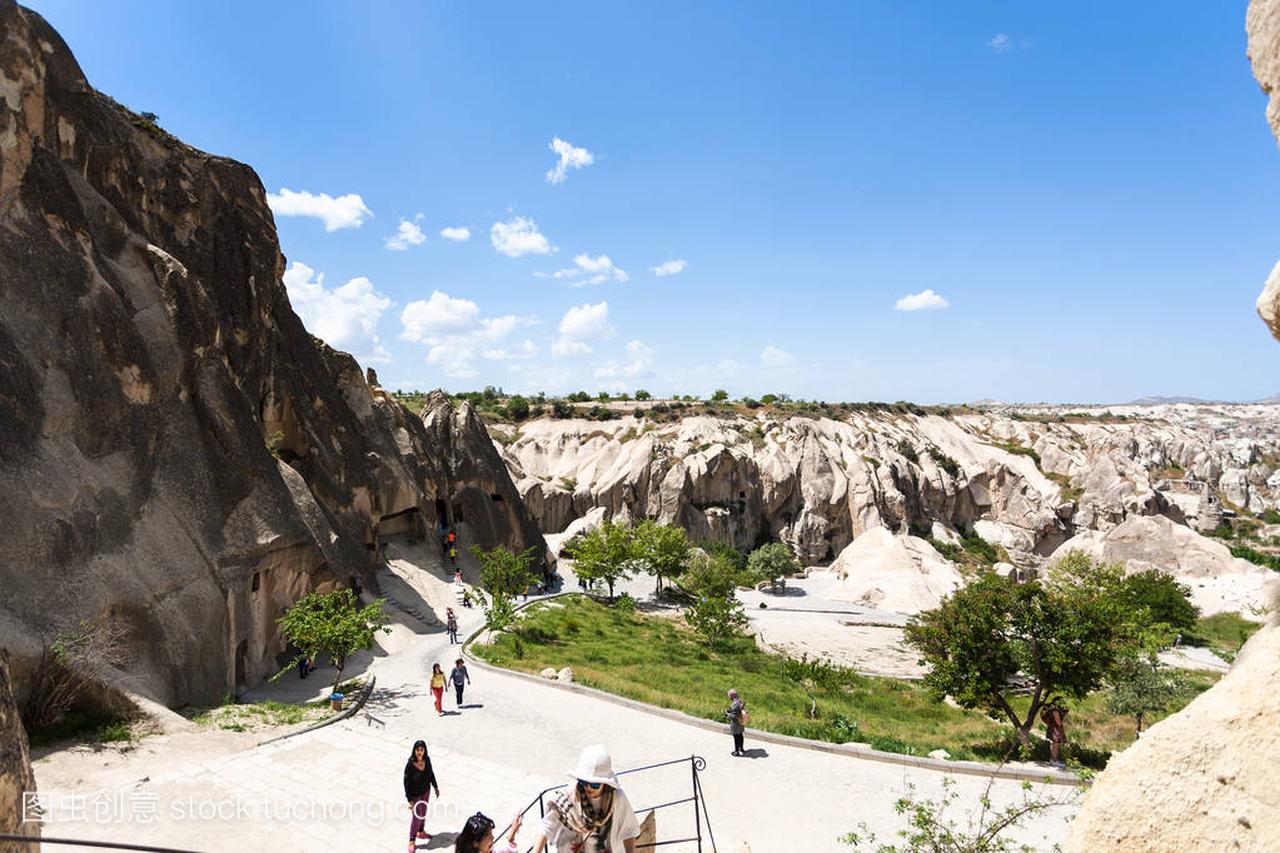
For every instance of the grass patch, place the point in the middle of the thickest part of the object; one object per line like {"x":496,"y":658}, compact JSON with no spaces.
{"x":82,"y":727}
{"x":1069,"y":492}
{"x":1224,"y":633}
{"x":251,"y":716}
{"x":657,"y":661}
{"x":1258,"y":558}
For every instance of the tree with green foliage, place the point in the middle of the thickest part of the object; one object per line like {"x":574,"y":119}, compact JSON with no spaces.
{"x":517,"y":408}
{"x":642,"y":394}
{"x":663,"y":549}
{"x":1140,"y":687}
{"x":717,"y":619}
{"x":719,"y":396}
{"x":769,"y":399}
{"x":332,"y":624}
{"x":504,"y":575}
{"x":1166,"y":601}
{"x":711,"y":574}
{"x":772,"y":561}
{"x":1060,"y":636}
{"x":604,"y":554}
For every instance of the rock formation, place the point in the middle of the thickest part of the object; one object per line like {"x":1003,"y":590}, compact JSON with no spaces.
{"x":15,"y":767}
{"x":903,"y":574}
{"x":177,"y":453}
{"x":1206,"y":778}
{"x":1219,"y":582}
{"x":1026,"y":479}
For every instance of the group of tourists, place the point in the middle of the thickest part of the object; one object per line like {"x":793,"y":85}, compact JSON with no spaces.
{"x":590,"y":815}
{"x":448,"y":543}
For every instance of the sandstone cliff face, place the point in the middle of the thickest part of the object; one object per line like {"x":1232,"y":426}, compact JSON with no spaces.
{"x":1027,"y":483}
{"x":150,"y":357}
{"x":15,"y":767}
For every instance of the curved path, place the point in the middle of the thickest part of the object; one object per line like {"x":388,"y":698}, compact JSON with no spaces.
{"x":339,"y":788}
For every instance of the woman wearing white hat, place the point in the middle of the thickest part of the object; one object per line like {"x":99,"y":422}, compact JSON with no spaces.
{"x":594,"y":816}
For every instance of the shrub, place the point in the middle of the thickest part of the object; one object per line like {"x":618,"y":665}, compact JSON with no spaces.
{"x":517,"y":408}
{"x":906,"y":451}
{"x":561,"y":409}
{"x":720,"y":396}
{"x":1165,"y":600}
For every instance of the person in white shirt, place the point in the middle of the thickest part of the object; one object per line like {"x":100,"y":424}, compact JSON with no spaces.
{"x":594,"y":815}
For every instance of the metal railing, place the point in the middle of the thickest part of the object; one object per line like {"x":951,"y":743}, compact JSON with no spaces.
{"x":34,"y":843}
{"x":701,"y":819}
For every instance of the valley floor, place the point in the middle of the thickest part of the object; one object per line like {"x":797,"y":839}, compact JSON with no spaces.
{"x":340,"y":786}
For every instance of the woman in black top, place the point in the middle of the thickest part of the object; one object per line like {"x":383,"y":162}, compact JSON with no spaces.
{"x":419,"y":781}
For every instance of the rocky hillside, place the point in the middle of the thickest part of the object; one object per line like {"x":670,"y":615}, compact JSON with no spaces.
{"x":177,"y":454}
{"x":1026,"y":479}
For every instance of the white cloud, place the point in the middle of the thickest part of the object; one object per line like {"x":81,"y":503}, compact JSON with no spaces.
{"x":570,"y":157}
{"x":1005,"y":43}
{"x":457,"y":335}
{"x":925,"y":300}
{"x":409,"y":234}
{"x":672,"y":267}
{"x":774,"y":357}
{"x":458,"y":235}
{"x":345,"y":318}
{"x":520,"y":352}
{"x":345,"y":211}
{"x":588,"y":270}
{"x":640,"y":360}
{"x":519,"y":236}
{"x":581,"y":326}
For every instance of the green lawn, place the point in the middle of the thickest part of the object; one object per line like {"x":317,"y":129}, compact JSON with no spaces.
{"x":657,"y":661}
{"x":1225,"y":633}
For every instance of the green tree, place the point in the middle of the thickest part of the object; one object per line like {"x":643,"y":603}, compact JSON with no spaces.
{"x":331,"y":624}
{"x":604,"y":553}
{"x":504,"y":575}
{"x":717,"y":619}
{"x":642,"y":394}
{"x":1061,"y":636}
{"x":663,"y":549}
{"x":769,"y":399}
{"x":711,"y":576}
{"x":719,"y":396}
{"x":1164,"y":599}
{"x":518,"y":408}
{"x":1141,"y":687}
{"x":772,"y":561}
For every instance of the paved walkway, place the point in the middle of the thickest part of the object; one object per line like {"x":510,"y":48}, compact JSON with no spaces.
{"x":340,"y":786}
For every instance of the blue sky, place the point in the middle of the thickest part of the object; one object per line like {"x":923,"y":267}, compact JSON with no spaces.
{"x":1089,"y":187}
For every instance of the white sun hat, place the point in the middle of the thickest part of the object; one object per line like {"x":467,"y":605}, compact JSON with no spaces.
{"x":595,"y":765}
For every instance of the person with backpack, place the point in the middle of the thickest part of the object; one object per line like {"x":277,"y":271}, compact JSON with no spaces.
{"x":738,"y":719}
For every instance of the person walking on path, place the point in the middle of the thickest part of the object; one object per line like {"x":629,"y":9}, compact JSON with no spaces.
{"x":419,"y":781}
{"x":451,"y":623}
{"x":453,"y":556}
{"x":477,"y":836}
{"x":737,"y":714}
{"x":594,"y":814}
{"x":437,"y":687}
{"x":1054,"y":717}
{"x":459,"y":676}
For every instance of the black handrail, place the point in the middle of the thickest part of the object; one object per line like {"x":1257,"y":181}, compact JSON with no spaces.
{"x":696,"y":764}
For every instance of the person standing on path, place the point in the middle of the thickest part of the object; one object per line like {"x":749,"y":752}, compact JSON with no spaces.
{"x":477,"y":836}
{"x":737,"y":714}
{"x":451,"y":623}
{"x":437,"y":687}
{"x":419,"y":781}
{"x":459,"y":676}
{"x":594,"y":814}
{"x":1054,"y":717}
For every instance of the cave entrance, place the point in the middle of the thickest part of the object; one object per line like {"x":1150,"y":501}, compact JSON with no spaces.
{"x":442,"y":511}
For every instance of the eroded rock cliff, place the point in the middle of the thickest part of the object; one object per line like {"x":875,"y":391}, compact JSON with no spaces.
{"x":16,"y":777}
{"x":177,"y":453}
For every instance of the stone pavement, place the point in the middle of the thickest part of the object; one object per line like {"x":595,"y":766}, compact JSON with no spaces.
{"x":339,"y":788}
